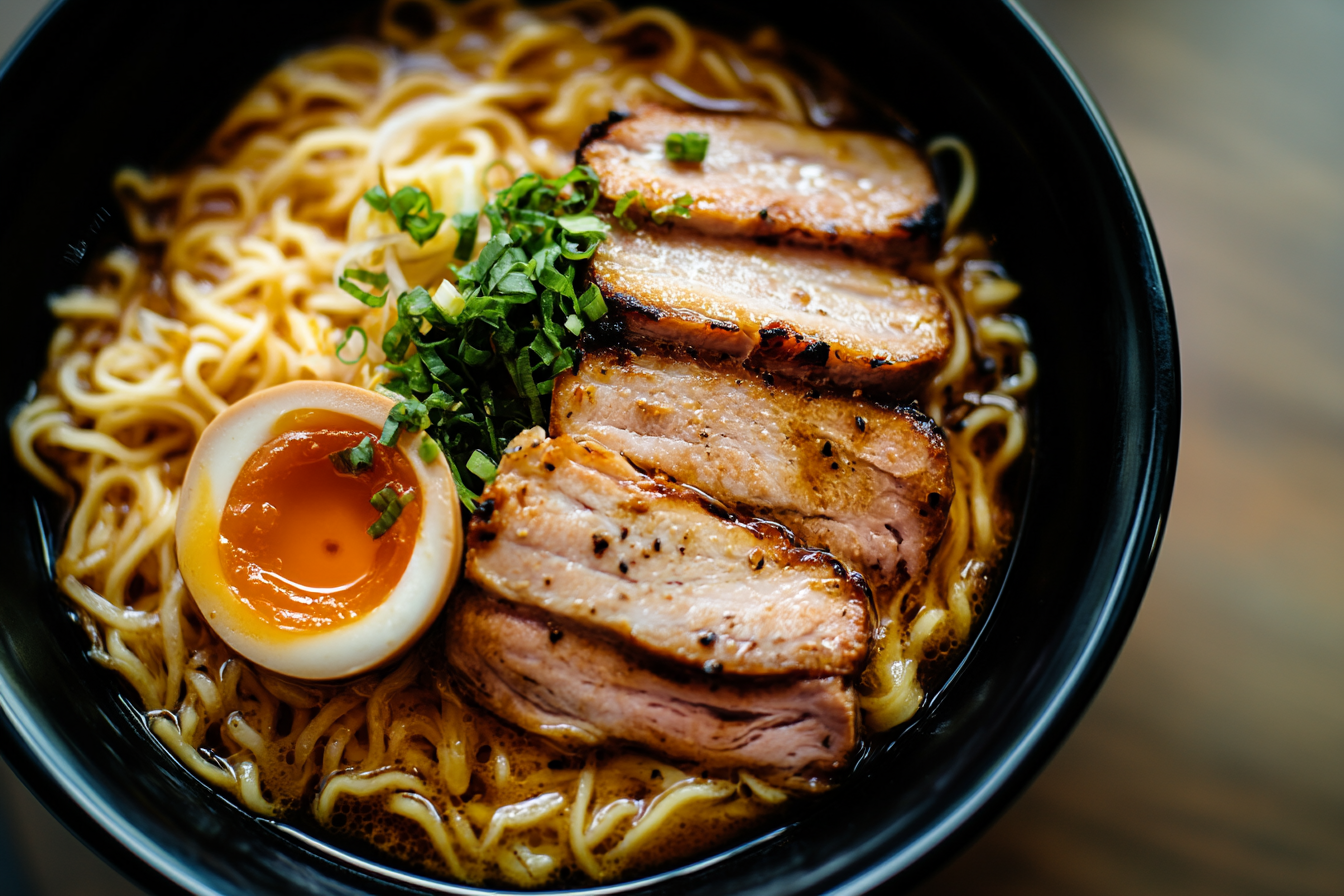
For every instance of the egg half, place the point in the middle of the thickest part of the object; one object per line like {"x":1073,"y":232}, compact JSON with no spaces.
{"x":275,"y":543}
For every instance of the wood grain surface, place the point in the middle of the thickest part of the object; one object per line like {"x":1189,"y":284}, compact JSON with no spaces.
{"x":1212,"y":761}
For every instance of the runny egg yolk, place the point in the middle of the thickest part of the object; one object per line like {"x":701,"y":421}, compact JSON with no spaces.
{"x":294,"y":542}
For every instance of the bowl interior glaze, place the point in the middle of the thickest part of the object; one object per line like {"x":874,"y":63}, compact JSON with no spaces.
{"x":99,"y":85}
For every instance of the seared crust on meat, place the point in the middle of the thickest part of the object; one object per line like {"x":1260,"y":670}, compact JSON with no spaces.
{"x":558,"y":680}
{"x":870,"y":484}
{"x":574,"y":529}
{"x":767,"y":178}
{"x":814,"y":316}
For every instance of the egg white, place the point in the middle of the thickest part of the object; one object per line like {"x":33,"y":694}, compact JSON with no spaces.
{"x":349,"y":648}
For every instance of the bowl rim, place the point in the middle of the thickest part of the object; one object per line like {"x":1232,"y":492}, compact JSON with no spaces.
{"x":60,"y":787}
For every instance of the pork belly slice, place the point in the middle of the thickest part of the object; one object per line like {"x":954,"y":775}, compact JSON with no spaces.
{"x":575,"y":530}
{"x":557,"y":680}
{"x":869,"y":484}
{"x":766,"y":178}
{"x":813,"y":316}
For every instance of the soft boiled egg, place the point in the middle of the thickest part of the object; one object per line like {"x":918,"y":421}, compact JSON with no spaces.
{"x":284,"y":548}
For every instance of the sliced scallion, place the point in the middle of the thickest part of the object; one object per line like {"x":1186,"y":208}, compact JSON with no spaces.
{"x":411,"y":208}
{"x":472,"y":364}
{"x":342,"y":355}
{"x":688,"y":147}
{"x":356,"y":459}
{"x":482,"y":467}
{"x":389,"y":504}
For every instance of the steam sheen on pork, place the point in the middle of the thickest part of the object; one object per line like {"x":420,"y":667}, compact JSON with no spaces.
{"x":573,"y":529}
{"x":767,"y":178}
{"x":871,"y":485}
{"x":815,"y":316}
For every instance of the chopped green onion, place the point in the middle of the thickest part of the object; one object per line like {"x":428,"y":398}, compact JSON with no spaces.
{"x":697,"y":146}
{"x":377,"y":281}
{"x":421,"y":229}
{"x":688,"y":147}
{"x":367,"y":298}
{"x":428,"y":450}
{"x":473,"y":364}
{"x":466,"y":224}
{"x":591,"y":303}
{"x":397,"y":339}
{"x":474,"y":356}
{"x":464,"y":494}
{"x":411,"y":414}
{"x":411,"y":208}
{"x":674,"y":147}
{"x":583,"y":224}
{"x":482,"y":467}
{"x":448,"y":300}
{"x":356,"y":459}
{"x":390,"y":505}
{"x":363,"y":345}
{"x":681,"y":207}
{"x":377,"y":197}
{"x":623,"y":204}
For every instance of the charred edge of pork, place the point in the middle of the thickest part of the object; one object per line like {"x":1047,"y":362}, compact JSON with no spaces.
{"x":927,"y":225}
{"x":781,"y":343}
{"x":595,"y":132}
{"x":626,"y":304}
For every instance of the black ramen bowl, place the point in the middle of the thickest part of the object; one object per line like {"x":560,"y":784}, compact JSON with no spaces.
{"x":98,"y":85}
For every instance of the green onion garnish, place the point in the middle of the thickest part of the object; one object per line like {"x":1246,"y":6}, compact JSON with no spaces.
{"x":466,"y":224}
{"x":390,"y":505}
{"x":688,"y":147}
{"x":681,"y":207}
{"x":356,"y":459}
{"x":367,"y":298}
{"x":409,"y":414}
{"x":377,"y":197}
{"x":412,"y":210}
{"x":622,"y":209}
{"x":377,"y":281}
{"x":482,"y":467}
{"x":363,"y":345}
{"x":473,"y":364}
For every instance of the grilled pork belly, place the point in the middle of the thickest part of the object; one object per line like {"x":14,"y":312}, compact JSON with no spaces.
{"x":575,"y":530}
{"x":869,"y":484}
{"x":813,"y":316}
{"x":558,"y":680}
{"x":767,"y":178}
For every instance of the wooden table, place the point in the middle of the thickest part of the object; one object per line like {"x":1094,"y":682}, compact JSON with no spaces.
{"x":1213,"y":759}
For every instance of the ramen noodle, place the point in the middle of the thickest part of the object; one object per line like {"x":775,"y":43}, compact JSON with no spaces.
{"x":229,"y":287}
